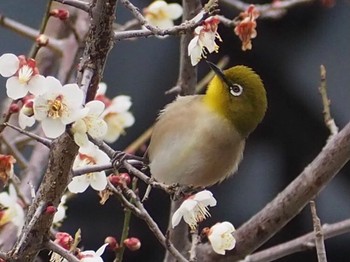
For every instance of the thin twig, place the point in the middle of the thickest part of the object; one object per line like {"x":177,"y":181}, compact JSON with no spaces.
{"x":61,"y":251}
{"x":44,"y":141}
{"x":186,"y":26}
{"x":194,"y":243}
{"x":148,"y":180}
{"x":274,"y":10}
{"x":154,"y":227}
{"x":23,"y":163}
{"x":29,"y":226}
{"x":126,"y":226}
{"x":328,"y":119}
{"x":299,"y":244}
{"x":32,"y":34}
{"x":91,"y":169}
{"x":76,"y":3}
{"x":36,"y":46}
{"x":319,"y":239}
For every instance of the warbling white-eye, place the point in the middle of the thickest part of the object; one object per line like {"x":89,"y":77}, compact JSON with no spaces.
{"x":199,"y":140}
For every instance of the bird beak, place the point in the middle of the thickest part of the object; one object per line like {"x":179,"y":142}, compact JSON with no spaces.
{"x":219,"y":73}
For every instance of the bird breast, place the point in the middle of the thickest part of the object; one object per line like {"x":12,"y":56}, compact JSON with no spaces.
{"x":192,"y":145}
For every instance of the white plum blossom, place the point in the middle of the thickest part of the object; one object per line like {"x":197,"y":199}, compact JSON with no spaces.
{"x":61,"y":211}
{"x":116,"y":113}
{"x":23,"y":76}
{"x":26,"y":114}
{"x":204,"y":40}
{"x":58,"y":107}
{"x":117,"y":118}
{"x":11,"y":211}
{"x":89,"y":156}
{"x":92,"y":256}
{"x":161,"y":14}
{"x":221,"y":238}
{"x":194,"y":209}
{"x":92,"y":123}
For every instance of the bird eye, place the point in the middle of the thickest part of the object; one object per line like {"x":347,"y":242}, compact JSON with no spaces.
{"x":236,"y":90}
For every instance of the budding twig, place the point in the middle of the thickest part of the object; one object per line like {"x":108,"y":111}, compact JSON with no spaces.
{"x":319,"y":239}
{"x":76,"y":3}
{"x":44,"y":141}
{"x":275,"y":10}
{"x":328,"y":119}
{"x":61,"y":251}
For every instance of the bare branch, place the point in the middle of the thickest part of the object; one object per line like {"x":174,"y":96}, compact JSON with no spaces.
{"x":44,"y":141}
{"x":319,"y":239}
{"x":290,"y":201}
{"x":194,"y":243}
{"x":76,"y":3}
{"x":328,"y":119}
{"x":299,"y":244}
{"x":26,"y":31}
{"x":61,"y":251}
{"x":154,"y":227}
{"x":269,"y":11}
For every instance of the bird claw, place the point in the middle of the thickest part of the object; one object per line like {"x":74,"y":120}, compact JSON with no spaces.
{"x":119,"y":157}
{"x":184,"y":191}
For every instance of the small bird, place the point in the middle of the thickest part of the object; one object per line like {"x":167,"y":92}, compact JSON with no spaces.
{"x":199,"y":140}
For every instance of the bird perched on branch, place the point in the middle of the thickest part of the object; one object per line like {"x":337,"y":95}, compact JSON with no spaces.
{"x":199,"y":140}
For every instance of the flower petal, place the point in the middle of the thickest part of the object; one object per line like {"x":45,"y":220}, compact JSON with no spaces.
{"x":37,"y":85}
{"x":53,"y":127}
{"x":174,"y":10}
{"x":98,"y":181}
{"x":9,"y":64}
{"x":15,"y":89}
{"x":78,"y":184}
{"x":96,"y":107}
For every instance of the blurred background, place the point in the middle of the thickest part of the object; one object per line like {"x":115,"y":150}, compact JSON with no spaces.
{"x":287,"y":54}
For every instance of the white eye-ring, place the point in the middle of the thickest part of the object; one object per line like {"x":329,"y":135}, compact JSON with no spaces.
{"x":236,"y":90}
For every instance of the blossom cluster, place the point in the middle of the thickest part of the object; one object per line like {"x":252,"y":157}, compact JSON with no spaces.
{"x":161,"y":14}
{"x":194,"y":210}
{"x":55,"y":107}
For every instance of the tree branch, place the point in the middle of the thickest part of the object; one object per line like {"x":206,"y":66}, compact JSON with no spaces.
{"x":76,"y":3}
{"x":319,"y":238}
{"x":290,"y":201}
{"x":275,"y":10}
{"x":299,"y":244}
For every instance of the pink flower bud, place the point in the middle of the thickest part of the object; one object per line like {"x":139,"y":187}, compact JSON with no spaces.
{"x":112,"y":243}
{"x":50,"y":210}
{"x":132,"y":243}
{"x":61,"y":14}
{"x":120,"y":179}
{"x":64,"y":240}
{"x":14,"y":108}
{"x":41,"y":40}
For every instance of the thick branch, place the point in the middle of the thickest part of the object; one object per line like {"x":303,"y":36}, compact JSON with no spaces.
{"x":98,"y":44}
{"x":290,"y":201}
{"x":56,"y":178}
{"x":299,"y":244}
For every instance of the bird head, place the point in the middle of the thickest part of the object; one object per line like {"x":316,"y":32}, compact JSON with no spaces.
{"x":237,"y":94}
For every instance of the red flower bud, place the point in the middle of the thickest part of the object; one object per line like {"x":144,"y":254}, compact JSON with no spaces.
{"x":120,"y":179}
{"x":61,"y":14}
{"x":132,"y":243}
{"x":64,"y":240}
{"x":50,"y":210}
{"x":112,"y":243}
{"x":14,"y":108}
